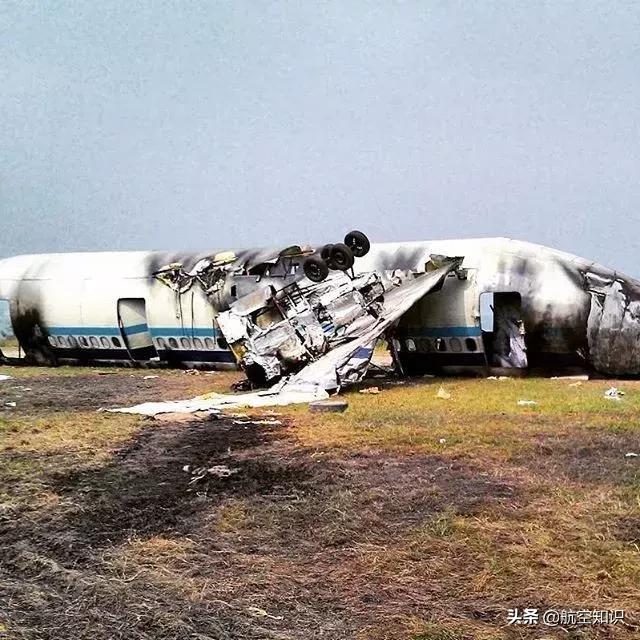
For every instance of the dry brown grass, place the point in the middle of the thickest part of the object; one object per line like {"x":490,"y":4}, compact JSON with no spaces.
{"x":408,"y":516}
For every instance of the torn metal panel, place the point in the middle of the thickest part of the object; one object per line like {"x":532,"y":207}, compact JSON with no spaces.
{"x":216,"y":402}
{"x":274,"y":333}
{"x":613,"y":326}
{"x":349,"y":362}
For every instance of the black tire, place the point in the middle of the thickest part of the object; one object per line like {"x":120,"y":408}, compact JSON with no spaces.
{"x":315,"y":269}
{"x":358,"y":243}
{"x":325,"y":252}
{"x":341,"y":257}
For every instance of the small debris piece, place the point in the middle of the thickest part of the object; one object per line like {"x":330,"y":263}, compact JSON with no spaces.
{"x":266,"y":421}
{"x":527,"y":403}
{"x":328,"y":406}
{"x":10,"y":404}
{"x":631,"y":454}
{"x":613,"y":394}
{"x":261,"y":613}
{"x":150,"y":377}
{"x":576,"y":384}
{"x":3,"y":378}
{"x":372,"y":390}
{"x":443,"y":393}
{"x":442,"y":441}
{"x":499,"y":378}
{"x":581,"y":377}
{"x":222,"y":471}
{"x":218,"y":470}
{"x":107,"y":373}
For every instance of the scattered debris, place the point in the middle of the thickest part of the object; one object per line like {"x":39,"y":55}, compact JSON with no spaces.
{"x":261,"y":613}
{"x":150,"y":377}
{"x":527,"y":403}
{"x":442,"y":441}
{"x":443,"y":393}
{"x":107,"y":373}
{"x":263,"y":421}
{"x":631,"y":454}
{"x":277,"y":395}
{"x":328,"y":406}
{"x":3,"y":378}
{"x":499,"y":378}
{"x":581,"y":377}
{"x":371,"y":390}
{"x":613,"y":394}
{"x":218,"y":471}
{"x":12,"y":405}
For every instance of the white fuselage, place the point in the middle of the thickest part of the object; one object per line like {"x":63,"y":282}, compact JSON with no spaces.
{"x":110,"y":307}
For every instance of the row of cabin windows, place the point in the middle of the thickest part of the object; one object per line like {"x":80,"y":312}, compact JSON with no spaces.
{"x":198,"y":344}
{"x":454,"y":345}
{"x":85,"y":342}
{"x":103,"y":342}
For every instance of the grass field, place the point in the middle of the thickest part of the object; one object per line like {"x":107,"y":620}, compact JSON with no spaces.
{"x":408,"y":516}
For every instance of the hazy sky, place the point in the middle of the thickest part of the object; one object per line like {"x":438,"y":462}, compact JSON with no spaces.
{"x":198,"y":125}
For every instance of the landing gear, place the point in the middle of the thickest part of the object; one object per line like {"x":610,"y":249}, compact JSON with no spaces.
{"x":341,"y":257}
{"x":338,"y":257}
{"x":358,"y":243}
{"x":315,"y":269}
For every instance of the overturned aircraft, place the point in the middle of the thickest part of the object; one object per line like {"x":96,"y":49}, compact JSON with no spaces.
{"x":448,"y":307}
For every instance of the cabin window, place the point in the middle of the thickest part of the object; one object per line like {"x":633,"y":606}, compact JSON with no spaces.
{"x":441,"y":344}
{"x":456,"y":345}
{"x":104,"y":342}
{"x":208,"y":342}
{"x":52,"y":341}
{"x":222,"y":343}
{"x":173,"y":343}
{"x":94,"y":342}
{"x":471,"y":344}
{"x":186,"y":343}
{"x":411,"y":345}
{"x":197,"y":343}
{"x":116,"y":342}
{"x":161,"y":343}
{"x":73,"y":343}
{"x":83,"y":342}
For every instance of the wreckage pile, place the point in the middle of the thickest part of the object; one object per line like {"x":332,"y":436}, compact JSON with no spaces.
{"x":302,"y":338}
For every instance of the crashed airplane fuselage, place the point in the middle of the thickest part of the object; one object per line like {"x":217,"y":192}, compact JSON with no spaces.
{"x":493,"y":303}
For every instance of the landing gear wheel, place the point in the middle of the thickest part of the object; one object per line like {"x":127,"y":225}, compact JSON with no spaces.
{"x":325,"y":254}
{"x":341,"y":257}
{"x":315,"y":269}
{"x":358,"y":243}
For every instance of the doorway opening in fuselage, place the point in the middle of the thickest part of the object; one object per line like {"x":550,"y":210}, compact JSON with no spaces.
{"x":134,"y":329}
{"x":503,"y":331}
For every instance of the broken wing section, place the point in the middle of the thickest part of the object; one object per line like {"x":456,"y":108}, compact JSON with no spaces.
{"x":348,"y":363}
{"x":613,"y":326}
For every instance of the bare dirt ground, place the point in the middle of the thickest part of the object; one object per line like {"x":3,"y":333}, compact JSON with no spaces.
{"x":408,"y":516}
